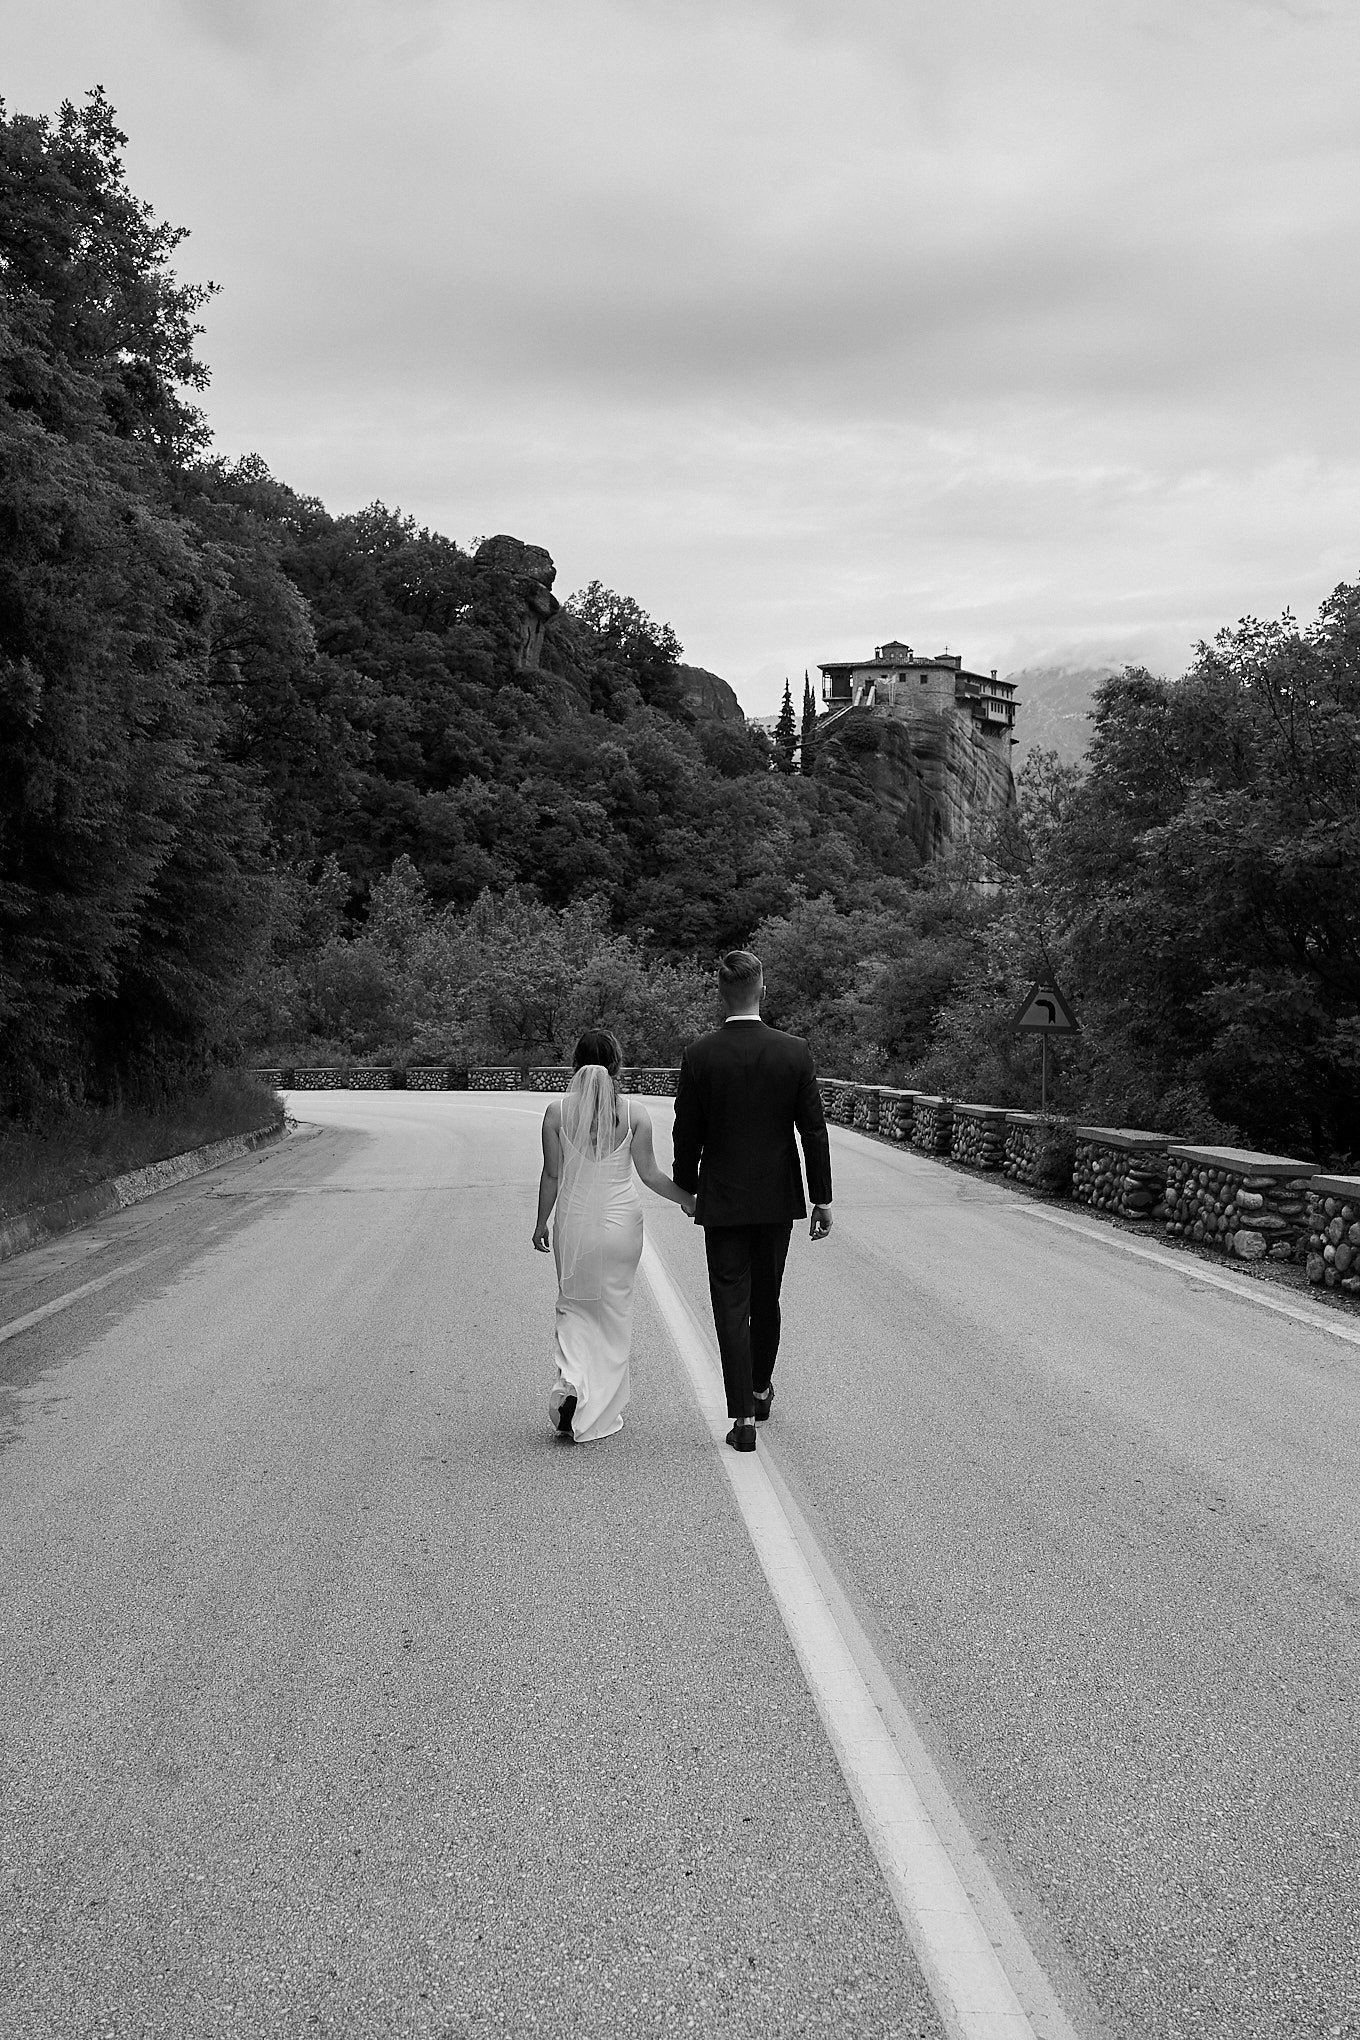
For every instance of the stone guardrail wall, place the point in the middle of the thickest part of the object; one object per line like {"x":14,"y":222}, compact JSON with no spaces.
{"x":654,"y":1083}
{"x":896,"y":1113}
{"x":1024,"y":1132}
{"x":1121,"y":1171}
{"x":866,"y":1109}
{"x":932,"y":1125}
{"x":978,"y":1138}
{"x":1251,"y":1205}
{"x":1333,"y":1241}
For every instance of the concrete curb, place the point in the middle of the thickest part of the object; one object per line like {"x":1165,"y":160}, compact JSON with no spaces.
{"x":84,"y":1207}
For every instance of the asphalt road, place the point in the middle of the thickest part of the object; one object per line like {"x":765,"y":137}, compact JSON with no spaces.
{"x":340,"y":1697}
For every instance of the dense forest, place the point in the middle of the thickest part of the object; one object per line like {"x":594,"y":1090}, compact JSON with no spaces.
{"x":273,"y":782}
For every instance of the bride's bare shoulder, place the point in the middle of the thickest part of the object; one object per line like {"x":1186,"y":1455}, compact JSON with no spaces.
{"x":553,"y":1116}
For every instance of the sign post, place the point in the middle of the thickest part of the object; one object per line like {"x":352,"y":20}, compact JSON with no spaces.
{"x":1044,"y":1011}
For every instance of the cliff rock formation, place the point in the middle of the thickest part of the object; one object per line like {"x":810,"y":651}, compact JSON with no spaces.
{"x":949,"y":782}
{"x":533,"y":573}
{"x":709,"y":696}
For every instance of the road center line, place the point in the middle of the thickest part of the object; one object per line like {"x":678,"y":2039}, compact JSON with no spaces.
{"x":1195,"y":1270}
{"x":47,"y":1310}
{"x":976,"y":1998}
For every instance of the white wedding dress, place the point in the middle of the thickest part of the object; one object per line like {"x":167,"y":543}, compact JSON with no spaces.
{"x":597,"y":1244}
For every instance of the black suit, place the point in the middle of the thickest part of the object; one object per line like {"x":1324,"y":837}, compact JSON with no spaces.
{"x":743,"y":1090}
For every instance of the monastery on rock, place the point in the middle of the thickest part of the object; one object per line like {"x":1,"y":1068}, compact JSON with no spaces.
{"x":916,"y":689}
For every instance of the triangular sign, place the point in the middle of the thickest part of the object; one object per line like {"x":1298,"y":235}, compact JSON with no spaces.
{"x":1044,"y":1010}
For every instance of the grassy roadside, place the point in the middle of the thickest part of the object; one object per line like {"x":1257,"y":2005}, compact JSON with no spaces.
{"x":74,"y":1150}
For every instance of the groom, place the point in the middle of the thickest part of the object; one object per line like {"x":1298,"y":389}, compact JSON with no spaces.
{"x":742,"y":1091}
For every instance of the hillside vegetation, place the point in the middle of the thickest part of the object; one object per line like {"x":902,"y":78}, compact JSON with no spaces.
{"x":271,"y":781}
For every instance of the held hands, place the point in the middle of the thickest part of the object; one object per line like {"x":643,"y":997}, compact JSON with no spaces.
{"x":688,"y":1203}
{"x":821,"y":1222}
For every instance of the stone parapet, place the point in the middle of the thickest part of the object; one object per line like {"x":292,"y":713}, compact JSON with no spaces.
{"x":651,"y":1083}
{"x":549,"y":1077}
{"x":838,"y":1100}
{"x":500,"y":1077}
{"x":1251,"y":1205}
{"x":277,"y":1077}
{"x":1121,"y":1170}
{"x":932,"y":1125}
{"x":866,"y":1112}
{"x":978,"y":1136}
{"x":435,"y":1077}
{"x":1333,"y":1242}
{"x":372,"y":1079}
{"x":896,"y":1112}
{"x":1023,"y":1130}
{"x":320,"y":1080}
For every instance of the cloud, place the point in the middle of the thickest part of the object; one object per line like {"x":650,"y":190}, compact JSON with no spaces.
{"x":807,"y":322}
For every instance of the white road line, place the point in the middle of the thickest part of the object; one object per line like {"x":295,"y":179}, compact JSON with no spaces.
{"x":1195,"y":1270}
{"x":976,"y":1998}
{"x":47,"y":1310}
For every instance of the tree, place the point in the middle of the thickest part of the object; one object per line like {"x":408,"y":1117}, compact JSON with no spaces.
{"x":134,"y":900}
{"x":93,"y":260}
{"x":785,"y":734}
{"x":809,"y":729}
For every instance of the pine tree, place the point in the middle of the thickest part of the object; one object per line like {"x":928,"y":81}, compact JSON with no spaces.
{"x":809,"y":724}
{"x":785,"y":734}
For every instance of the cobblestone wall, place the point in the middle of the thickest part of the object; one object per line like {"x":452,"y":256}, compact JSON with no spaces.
{"x":651,"y":1083}
{"x":1245,"y":1204}
{"x":932,"y":1125}
{"x":978,"y":1137}
{"x":370,"y":1079}
{"x":867,"y":1109}
{"x":1333,"y":1242}
{"x":896,"y":1111}
{"x":320,"y":1080}
{"x":1022,"y":1147}
{"x":504,"y":1077}
{"x":1121,"y":1171}
{"x":838,"y":1100}
{"x":435,"y":1077}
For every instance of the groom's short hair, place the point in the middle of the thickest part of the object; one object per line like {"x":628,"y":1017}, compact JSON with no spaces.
{"x":739,"y":975}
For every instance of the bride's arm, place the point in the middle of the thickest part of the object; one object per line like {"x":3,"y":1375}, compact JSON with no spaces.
{"x":547,"y":1182}
{"x":644,"y":1161}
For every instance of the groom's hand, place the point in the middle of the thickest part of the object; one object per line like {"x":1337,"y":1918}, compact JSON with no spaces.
{"x":689,"y":1204}
{"x":821,"y":1222}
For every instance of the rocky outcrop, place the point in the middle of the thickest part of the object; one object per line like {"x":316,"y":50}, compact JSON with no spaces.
{"x":948,"y":782}
{"x":531,"y":569}
{"x":709,"y":697}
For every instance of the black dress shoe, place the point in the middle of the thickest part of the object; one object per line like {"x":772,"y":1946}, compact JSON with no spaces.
{"x":764,"y":1404}
{"x":566,"y":1411}
{"x":742,"y":1437}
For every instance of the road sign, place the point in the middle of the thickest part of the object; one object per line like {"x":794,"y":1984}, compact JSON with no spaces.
{"x":1044,"y":1010}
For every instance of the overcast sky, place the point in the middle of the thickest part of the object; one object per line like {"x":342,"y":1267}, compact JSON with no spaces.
{"x":1022,"y":326}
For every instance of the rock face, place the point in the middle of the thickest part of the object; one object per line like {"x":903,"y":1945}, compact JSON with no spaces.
{"x":709,"y":696}
{"x":532,"y":570}
{"x":948,"y":782}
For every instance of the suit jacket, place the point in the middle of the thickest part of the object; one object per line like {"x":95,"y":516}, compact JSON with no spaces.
{"x":742,"y":1091}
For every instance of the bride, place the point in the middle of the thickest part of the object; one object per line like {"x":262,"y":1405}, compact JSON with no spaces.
{"x":593,"y":1139}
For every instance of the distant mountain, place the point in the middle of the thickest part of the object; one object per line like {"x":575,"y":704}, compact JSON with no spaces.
{"x":1055,"y":702}
{"x":709,"y":696}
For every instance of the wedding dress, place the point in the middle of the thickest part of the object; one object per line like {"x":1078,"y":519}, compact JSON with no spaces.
{"x":597,"y":1244}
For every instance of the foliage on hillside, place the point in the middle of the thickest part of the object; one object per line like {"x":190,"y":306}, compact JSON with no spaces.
{"x":271,"y":778}
{"x":1196,"y":891}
